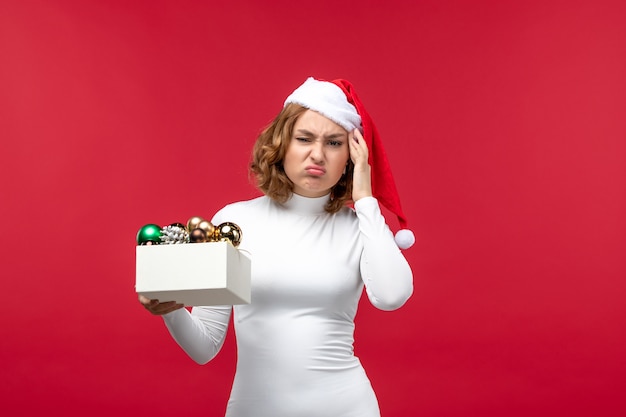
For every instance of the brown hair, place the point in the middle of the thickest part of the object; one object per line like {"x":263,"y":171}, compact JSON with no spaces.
{"x":268,"y":155}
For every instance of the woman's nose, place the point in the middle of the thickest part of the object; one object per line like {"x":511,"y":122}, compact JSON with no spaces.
{"x":317,"y":151}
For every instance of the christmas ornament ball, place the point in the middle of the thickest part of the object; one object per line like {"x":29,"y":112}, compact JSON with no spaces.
{"x":197,"y":236}
{"x":193,"y":222}
{"x":208,"y":228}
{"x":228,"y":231}
{"x":149,"y":233}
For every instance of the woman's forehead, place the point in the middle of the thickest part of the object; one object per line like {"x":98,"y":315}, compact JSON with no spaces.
{"x":316,"y":123}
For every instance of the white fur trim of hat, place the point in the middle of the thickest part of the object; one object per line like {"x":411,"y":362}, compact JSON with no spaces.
{"x":328,"y":100}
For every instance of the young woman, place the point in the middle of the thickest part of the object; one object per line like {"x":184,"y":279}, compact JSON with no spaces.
{"x":312,"y":256}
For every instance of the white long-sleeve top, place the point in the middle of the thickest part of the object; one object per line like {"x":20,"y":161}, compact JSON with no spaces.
{"x":295,"y":339}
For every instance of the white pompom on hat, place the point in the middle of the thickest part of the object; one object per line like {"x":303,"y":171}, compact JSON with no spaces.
{"x":338,"y":101}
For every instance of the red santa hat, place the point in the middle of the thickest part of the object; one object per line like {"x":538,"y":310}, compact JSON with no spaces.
{"x":338,"y":101}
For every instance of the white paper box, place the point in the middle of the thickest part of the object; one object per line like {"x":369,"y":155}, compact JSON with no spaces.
{"x":194,"y":274}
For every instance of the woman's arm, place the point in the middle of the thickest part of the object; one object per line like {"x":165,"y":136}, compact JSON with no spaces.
{"x":200,"y":333}
{"x":386,"y":273}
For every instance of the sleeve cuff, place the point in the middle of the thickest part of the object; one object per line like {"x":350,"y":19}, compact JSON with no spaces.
{"x":366,"y":203}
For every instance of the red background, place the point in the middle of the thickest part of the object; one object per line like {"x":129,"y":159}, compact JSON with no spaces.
{"x":504,"y":122}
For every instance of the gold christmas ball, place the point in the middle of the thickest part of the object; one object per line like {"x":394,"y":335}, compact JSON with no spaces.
{"x":193,"y":222}
{"x":208,"y":229}
{"x":230,"y":232}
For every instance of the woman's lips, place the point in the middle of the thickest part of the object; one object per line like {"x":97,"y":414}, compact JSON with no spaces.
{"x":315,"y":170}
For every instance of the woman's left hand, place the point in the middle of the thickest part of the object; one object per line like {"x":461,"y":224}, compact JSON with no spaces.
{"x":362,"y":179}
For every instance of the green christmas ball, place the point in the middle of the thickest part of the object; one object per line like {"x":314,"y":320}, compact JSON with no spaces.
{"x":149,"y":233}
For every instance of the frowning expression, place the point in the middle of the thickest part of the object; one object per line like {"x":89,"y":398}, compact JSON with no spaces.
{"x":317,"y":154}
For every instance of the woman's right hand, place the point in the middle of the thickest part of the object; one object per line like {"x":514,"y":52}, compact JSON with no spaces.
{"x":157,"y":308}
{"x":362,"y":177}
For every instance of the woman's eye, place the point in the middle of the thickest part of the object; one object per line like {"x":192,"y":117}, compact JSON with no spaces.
{"x":301,"y":139}
{"x":335,"y":143}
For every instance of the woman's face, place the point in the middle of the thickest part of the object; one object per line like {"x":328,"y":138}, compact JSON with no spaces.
{"x":317,"y":154}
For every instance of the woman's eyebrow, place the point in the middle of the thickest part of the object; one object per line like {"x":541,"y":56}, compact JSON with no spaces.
{"x":304,"y":132}
{"x":329,"y":136}
{"x":336,"y":136}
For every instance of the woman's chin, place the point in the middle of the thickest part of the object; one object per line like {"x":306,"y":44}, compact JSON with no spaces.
{"x":311,"y":192}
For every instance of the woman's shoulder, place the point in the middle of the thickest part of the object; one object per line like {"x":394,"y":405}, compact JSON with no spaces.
{"x":241,"y":208}
{"x":347,"y":211}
